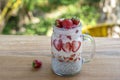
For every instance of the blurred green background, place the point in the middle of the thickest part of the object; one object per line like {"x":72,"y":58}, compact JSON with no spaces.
{"x":36,"y":17}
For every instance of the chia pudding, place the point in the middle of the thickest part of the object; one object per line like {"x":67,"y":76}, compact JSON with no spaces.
{"x":66,"y":68}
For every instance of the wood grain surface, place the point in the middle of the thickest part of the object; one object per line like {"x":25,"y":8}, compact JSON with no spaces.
{"x":18,"y":52}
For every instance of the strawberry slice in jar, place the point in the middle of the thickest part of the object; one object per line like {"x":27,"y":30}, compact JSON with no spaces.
{"x":67,"y":47}
{"x":57,"y":44}
{"x":75,"y":45}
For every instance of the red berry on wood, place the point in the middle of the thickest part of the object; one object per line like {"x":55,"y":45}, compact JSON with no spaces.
{"x":37,"y":64}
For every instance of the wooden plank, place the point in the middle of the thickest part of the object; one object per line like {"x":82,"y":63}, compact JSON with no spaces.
{"x":18,"y":52}
{"x":20,"y":68}
{"x":24,"y":45}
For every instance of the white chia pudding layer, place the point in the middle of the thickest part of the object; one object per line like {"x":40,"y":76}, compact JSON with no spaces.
{"x":66,"y":68}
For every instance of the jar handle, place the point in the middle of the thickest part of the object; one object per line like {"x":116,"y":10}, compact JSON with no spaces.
{"x":88,"y":38}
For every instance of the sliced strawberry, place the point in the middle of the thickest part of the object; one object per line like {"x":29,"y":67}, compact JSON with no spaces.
{"x":75,"y":45}
{"x":71,"y":58}
{"x":75,"y":21}
{"x":67,"y":47}
{"x":57,"y":44}
{"x":58,"y":23}
{"x":69,"y":37}
{"x":73,"y":55}
{"x":67,"y":23}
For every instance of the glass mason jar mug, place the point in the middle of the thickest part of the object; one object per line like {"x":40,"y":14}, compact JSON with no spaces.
{"x":66,"y":49}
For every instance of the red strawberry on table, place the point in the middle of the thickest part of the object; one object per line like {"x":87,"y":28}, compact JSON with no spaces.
{"x":75,"y":45}
{"x":36,"y":64}
{"x":57,"y":44}
{"x":66,"y":47}
{"x":67,"y":23}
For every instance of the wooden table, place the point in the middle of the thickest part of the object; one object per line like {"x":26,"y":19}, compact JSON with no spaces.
{"x":18,"y":52}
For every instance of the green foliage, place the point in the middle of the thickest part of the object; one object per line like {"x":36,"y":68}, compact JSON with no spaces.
{"x":87,"y":14}
{"x":91,"y":1}
{"x":62,"y":2}
{"x":30,"y":4}
{"x":40,"y":28}
{"x":84,"y":13}
{"x":11,"y":25}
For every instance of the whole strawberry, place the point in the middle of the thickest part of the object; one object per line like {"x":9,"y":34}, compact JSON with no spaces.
{"x":36,"y":64}
{"x":58,"y":23}
{"x":67,"y":23}
{"x":75,"y":20}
